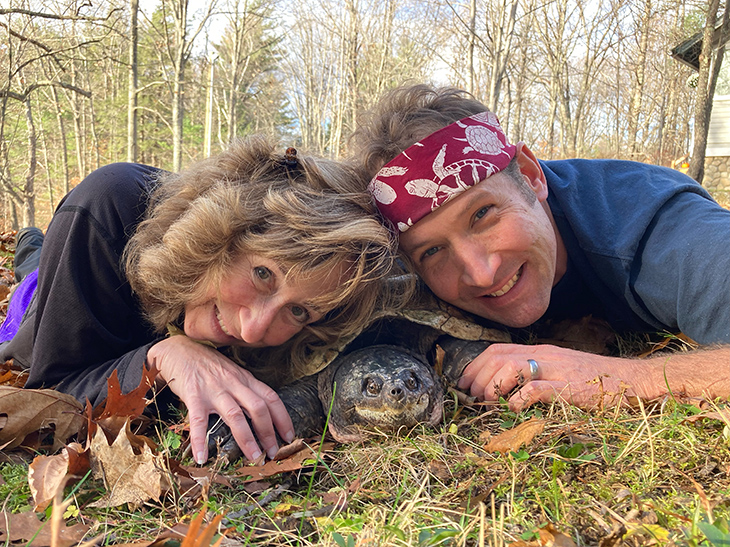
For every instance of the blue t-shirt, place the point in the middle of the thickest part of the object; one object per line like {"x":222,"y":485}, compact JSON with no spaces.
{"x":648,"y":248}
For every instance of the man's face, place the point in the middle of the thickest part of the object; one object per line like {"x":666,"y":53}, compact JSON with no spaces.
{"x":490,"y":252}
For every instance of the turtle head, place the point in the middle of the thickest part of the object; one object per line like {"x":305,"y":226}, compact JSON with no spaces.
{"x":380,"y":387}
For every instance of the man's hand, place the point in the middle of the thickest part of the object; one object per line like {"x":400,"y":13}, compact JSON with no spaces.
{"x":591,"y":381}
{"x":209,"y":383}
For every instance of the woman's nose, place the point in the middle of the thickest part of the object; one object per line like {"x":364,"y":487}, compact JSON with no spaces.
{"x":256,"y":321}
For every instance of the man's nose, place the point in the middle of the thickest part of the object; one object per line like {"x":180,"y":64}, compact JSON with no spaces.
{"x":478,"y":265}
{"x":256,"y":321}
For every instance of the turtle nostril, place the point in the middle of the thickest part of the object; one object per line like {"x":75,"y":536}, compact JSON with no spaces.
{"x":397,"y":393}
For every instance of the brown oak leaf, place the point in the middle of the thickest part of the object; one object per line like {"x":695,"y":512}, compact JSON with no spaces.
{"x":512,"y":439}
{"x":32,"y":410}
{"x":21,"y":528}
{"x":274,"y":467}
{"x":130,"y":476}
{"x":48,"y":475}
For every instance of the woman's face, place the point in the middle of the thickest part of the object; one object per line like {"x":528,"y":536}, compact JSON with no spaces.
{"x":254,"y":306}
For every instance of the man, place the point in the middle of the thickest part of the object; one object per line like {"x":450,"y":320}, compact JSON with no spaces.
{"x":515,"y":240}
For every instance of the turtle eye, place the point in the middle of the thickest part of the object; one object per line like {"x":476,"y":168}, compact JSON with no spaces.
{"x":371,"y":387}
{"x":412,"y":383}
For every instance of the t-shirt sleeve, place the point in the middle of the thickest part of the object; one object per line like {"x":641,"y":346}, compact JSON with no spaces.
{"x":88,"y":323}
{"x":681,"y":273}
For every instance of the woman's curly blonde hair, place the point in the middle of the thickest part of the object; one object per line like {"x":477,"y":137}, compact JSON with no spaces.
{"x":300,"y":213}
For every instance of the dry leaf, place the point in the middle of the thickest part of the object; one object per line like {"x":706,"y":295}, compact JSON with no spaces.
{"x":271,"y":468}
{"x":512,"y":439}
{"x":549,"y":537}
{"x":191,"y":534}
{"x":197,"y":538}
{"x":49,"y":474}
{"x":22,"y":527}
{"x":129,"y":477}
{"x":12,"y":374}
{"x":31,"y":410}
{"x":723,"y":415}
{"x":118,"y":407}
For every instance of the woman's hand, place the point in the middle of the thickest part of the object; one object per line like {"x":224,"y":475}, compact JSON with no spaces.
{"x":582,"y":379}
{"x":209,"y":383}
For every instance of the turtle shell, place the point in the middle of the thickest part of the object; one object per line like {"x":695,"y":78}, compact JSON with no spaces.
{"x":415,"y":327}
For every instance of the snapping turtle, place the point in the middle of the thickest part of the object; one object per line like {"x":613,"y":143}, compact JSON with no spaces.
{"x":390,"y":376}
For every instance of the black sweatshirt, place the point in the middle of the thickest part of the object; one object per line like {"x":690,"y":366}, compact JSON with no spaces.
{"x":86,"y":320}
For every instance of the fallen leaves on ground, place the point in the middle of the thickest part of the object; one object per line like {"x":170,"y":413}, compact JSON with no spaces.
{"x":12,"y":374}
{"x":118,"y":407}
{"x":21,"y":528}
{"x":109,"y":437}
{"x":27,"y":411}
{"x":512,"y":439}
{"x":721,"y":414}
{"x":274,"y":467}
{"x":48,"y":475}
{"x":548,"y":536}
{"x":131,"y":472}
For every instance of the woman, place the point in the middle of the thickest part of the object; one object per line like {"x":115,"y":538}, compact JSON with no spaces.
{"x":248,"y":249}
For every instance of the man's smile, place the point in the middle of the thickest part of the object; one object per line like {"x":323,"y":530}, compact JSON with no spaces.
{"x":511,"y":283}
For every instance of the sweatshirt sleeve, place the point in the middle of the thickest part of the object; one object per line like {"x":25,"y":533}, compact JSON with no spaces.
{"x":680,"y":273}
{"x":88,"y":322}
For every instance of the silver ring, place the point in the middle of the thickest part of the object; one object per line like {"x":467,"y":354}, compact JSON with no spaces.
{"x":534,"y":369}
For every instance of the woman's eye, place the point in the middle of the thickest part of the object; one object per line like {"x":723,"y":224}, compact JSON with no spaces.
{"x":262,"y":273}
{"x":300,"y":313}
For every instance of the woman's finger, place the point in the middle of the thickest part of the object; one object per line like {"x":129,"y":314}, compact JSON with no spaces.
{"x":276,"y":410}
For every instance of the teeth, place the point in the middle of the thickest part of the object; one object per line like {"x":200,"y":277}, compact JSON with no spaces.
{"x":511,"y":283}
{"x":220,"y":321}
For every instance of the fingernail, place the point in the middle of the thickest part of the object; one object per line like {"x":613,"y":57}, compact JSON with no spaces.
{"x":200,"y":458}
{"x":256,"y":455}
{"x":289,"y":436}
{"x":271,"y":452}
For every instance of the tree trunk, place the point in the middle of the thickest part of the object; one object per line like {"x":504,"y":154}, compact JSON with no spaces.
{"x":132,"y":97}
{"x":638,"y":92}
{"x":705,"y":89}
{"x":208,"y":139}
{"x":472,"y":38}
{"x":28,"y":191}
{"x":179,"y":61}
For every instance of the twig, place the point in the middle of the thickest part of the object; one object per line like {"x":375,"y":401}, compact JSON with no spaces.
{"x":271,"y":496}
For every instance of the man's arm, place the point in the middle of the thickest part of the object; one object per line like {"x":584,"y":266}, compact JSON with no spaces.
{"x":591,"y":381}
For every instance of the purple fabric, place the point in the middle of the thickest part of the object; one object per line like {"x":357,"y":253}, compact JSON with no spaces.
{"x":18,"y":304}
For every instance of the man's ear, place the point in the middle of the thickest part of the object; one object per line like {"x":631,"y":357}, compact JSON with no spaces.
{"x":531,"y":171}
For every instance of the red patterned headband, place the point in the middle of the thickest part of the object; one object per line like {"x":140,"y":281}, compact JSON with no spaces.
{"x":441,"y":166}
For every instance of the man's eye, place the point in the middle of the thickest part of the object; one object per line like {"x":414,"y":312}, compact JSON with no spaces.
{"x":431,"y":251}
{"x":481,"y":212}
{"x":262,"y":273}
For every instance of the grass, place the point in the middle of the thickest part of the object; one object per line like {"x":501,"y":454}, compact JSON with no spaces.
{"x":649,"y":474}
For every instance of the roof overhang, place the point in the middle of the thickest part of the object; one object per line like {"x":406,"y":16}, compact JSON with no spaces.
{"x":688,"y":52}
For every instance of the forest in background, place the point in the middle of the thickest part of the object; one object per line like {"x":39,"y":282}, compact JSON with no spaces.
{"x":570,"y":78}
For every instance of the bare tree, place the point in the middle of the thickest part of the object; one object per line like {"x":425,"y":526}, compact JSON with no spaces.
{"x":708,"y":73}
{"x":176,"y":43}
{"x":246,"y":53}
{"x":26,"y":53}
{"x":132,"y":91}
